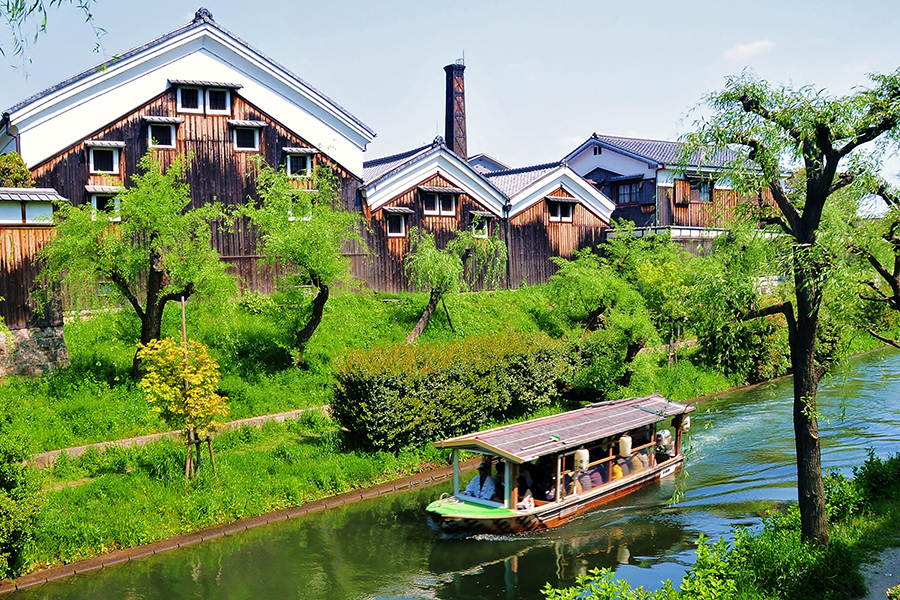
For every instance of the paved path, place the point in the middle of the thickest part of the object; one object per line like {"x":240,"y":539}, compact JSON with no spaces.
{"x":882,"y":573}
{"x":47,"y":459}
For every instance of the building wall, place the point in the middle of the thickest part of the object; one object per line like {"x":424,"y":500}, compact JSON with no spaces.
{"x":217,"y":172}
{"x":385,"y":268}
{"x":533,"y":239}
{"x":18,"y":271}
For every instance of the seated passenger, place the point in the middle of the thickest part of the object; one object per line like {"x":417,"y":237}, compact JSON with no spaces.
{"x":499,"y":478}
{"x":482,"y":485}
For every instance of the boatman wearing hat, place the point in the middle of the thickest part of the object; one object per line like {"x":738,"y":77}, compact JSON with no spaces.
{"x":482,"y":485}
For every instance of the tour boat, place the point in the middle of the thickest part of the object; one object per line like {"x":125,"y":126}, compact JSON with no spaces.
{"x":556,"y":467}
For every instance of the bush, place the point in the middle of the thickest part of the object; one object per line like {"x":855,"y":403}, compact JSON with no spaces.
{"x":390,"y":398}
{"x":843,"y":498}
{"x":876,"y":477}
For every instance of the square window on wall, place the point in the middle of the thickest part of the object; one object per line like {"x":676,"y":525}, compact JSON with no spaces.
{"x":430,"y":204}
{"x":104,"y":160}
{"x":246,"y":138}
{"x":190,"y":100}
{"x":105,"y":204}
{"x":299,"y":165}
{"x":560,"y":211}
{"x":161,"y":135}
{"x":396,"y":224}
{"x":218,"y":102}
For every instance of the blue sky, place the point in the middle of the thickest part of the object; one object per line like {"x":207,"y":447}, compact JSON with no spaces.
{"x":540,"y":76}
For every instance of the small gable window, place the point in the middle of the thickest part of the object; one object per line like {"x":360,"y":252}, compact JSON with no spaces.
{"x":299,"y":165}
{"x":161,"y":135}
{"x":481,"y":225}
{"x":435,"y":204}
{"x":396,"y":225}
{"x":246,"y":138}
{"x":104,"y":160}
{"x":190,"y":99}
{"x":218,"y":102}
{"x":105,"y":203}
{"x":560,"y":211}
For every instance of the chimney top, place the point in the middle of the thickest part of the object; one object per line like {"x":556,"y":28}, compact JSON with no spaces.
{"x":455,"y":112}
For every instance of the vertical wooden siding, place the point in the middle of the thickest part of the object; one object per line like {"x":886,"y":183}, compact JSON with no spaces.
{"x":217,"y":172}
{"x":688,"y":212}
{"x":18,"y":270}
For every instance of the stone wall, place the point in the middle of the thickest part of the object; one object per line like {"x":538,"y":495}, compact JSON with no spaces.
{"x":34,"y":351}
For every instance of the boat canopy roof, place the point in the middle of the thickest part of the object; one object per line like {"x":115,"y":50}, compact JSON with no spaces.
{"x":528,"y":440}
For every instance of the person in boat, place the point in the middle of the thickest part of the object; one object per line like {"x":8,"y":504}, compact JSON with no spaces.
{"x":498,"y":481}
{"x":482,"y":485}
{"x":526,"y":498}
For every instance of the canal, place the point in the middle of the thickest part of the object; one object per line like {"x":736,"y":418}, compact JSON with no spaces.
{"x":740,"y":464}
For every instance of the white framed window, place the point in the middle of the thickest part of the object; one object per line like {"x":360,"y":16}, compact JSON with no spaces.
{"x":161,"y":135}
{"x":396,"y":224}
{"x":38,"y":212}
{"x":299,"y":165}
{"x":218,"y":101}
{"x":190,"y":100}
{"x":560,"y":212}
{"x":481,"y":227}
{"x":246,"y":138}
{"x":104,"y":160}
{"x":10,"y":212}
{"x":443,"y":205}
{"x":105,"y":203}
{"x":628,"y":193}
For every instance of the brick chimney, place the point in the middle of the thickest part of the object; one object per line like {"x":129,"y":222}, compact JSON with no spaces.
{"x":455,"y":115}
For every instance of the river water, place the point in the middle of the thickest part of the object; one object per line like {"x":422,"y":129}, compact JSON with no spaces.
{"x":740,"y":464}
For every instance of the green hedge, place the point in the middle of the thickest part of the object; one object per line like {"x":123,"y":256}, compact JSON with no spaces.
{"x":394,"y":397}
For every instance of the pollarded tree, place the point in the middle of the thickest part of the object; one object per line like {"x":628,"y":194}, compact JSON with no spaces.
{"x":149,"y":250}
{"x":301,"y":233}
{"x":466,"y":259}
{"x":773,"y":130}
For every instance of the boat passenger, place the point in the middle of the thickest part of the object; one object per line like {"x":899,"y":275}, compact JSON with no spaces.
{"x":499,"y":478}
{"x":482,"y":485}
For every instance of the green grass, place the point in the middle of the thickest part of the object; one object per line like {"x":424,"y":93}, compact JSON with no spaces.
{"x":126,"y":497}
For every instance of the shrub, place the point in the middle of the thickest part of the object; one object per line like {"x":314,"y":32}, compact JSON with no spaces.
{"x":843,"y":497}
{"x":877,"y":477}
{"x":390,"y":398}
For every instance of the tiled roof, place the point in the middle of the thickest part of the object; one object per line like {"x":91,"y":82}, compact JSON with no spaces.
{"x":201,"y":17}
{"x":664,"y":151}
{"x":379,"y":167}
{"x":29,"y":194}
{"x":511,"y":181}
{"x":199,"y":83}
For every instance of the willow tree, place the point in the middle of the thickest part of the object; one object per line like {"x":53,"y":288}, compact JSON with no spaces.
{"x":828,"y":140}
{"x":301,"y":232}
{"x":466,"y":259}
{"x":149,"y":249}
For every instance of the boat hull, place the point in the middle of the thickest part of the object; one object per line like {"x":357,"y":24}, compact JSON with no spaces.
{"x":551,"y":514}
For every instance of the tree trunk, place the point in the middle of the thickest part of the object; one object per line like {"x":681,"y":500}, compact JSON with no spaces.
{"x":810,"y":488}
{"x":318,"y":309}
{"x":631,"y":353}
{"x":671,"y":343}
{"x":151,"y":318}
{"x":426,"y":316}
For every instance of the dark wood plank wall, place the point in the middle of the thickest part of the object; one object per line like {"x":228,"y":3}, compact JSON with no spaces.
{"x":687,"y":212}
{"x":533,"y":238}
{"x":217,"y":172}
{"x":386,"y":271}
{"x":18,"y":270}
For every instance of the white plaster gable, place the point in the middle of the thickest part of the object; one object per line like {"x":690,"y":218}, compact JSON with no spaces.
{"x":586,"y":194}
{"x":65,"y":115}
{"x":443,"y":162}
{"x":583,"y":161}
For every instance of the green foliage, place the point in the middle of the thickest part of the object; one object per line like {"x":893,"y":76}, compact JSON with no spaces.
{"x":390,"y":398}
{"x":17,"y":14}
{"x":20,"y":503}
{"x":877,"y":478}
{"x":160,"y":251}
{"x":843,"y":497}
{"x":14,"y":172}
{"x":182,"y":383}
{"x":429,"y":268}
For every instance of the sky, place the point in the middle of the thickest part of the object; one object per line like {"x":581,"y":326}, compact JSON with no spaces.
{"x":541,"y":77}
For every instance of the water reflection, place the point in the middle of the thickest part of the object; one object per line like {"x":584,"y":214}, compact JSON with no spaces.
{"x":741,"y":463}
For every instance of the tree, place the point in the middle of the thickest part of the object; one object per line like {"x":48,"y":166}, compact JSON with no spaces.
{"x":182,"y":384}
{"x":466,"y":259}
{"x":20,"y":13}
{"x":13,"y":172}
{"x":301,"y":233}
{"x":151,"y":249}
{"x":771,"y":130}
{"x":615,"y":319}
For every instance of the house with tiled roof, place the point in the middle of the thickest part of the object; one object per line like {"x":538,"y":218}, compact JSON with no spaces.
{"x":540,"y":211}
{"x":199,"y":89}
{"x":653,"y":189}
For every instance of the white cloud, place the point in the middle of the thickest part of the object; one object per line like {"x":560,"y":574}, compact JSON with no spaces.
{"x":741,"y":52}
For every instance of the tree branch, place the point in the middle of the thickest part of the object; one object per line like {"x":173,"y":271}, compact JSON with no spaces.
{"x":120,"y":283}
{"x":785,"y":308}
{"x":174,"y":296}
{"x":753,"y":106}
{"x":893,"y":343}
{"x":784,"y":204}
{"x":842,"y":180}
